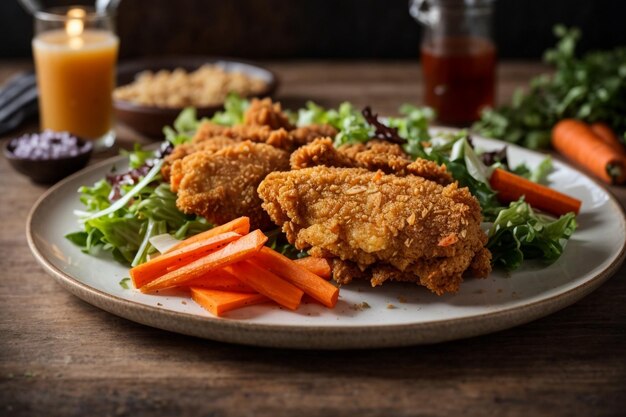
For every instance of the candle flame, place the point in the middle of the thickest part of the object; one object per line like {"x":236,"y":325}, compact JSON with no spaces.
{"x":75,"y":25}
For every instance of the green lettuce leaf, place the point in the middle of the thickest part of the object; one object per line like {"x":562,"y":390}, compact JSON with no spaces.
{"x":234,"y":110}
{"x":518,"y":233}
{"x":184,"y":127}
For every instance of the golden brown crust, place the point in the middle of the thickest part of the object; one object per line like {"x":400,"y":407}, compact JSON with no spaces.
{"x":402,"y":228}
{"x":374,"y":155}
{"x":212,"y":144}
{"x":264,"y":122}
{"x":221,"y":185}
{"x":266,"y":113}
{"x":319,"y":152}
{"x":307,"y":134}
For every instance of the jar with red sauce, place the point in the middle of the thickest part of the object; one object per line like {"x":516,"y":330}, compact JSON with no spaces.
{"x":458,"y":57}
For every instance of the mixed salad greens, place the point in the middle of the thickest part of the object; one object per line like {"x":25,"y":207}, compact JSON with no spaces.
{"x":123,"y":211}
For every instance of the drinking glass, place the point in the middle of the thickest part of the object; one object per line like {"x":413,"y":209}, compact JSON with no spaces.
{"x":75,"y":51}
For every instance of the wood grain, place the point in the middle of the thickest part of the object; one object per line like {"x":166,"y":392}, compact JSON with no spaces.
{"x":61,"y":356}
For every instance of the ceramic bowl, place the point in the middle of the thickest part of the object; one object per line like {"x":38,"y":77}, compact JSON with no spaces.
{"x":48,"y":171}
{"x":150,"y":120}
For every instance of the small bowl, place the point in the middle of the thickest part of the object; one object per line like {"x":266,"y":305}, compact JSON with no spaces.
{"x":150,"y":120}
{"x":48,"y":171}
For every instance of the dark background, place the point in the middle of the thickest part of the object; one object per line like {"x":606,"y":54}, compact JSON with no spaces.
{"x":279,"y":29}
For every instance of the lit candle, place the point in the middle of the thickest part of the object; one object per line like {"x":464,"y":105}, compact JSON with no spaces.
{"x":75,"y":62}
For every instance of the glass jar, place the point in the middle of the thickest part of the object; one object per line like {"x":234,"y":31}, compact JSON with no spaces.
{"x":458,"y":57}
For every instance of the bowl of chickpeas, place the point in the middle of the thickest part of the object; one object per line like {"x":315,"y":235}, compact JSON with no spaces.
{"x":152,"y":92}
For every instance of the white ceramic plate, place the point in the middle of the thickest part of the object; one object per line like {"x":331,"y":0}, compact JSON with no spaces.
{"x":398,"y":314}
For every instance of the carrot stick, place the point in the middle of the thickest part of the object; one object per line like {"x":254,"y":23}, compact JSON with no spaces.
{"x":219,"y":302}
{"x":243,"y":248}
{"x":267,"y":283}
{"x":576,"y":141}
{"x":604,"y":132}
{"x":323,"y":291}
{"x":319,"y":266}
{"x":221,"y":279}
{"x":511,"y":187}
{"x":152,"y":269}
{"x":240,"y":225}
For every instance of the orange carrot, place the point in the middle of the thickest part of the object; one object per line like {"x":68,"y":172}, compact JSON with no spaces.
{"x":511,"y":187}
{"x":319,"y":266}
{"x":311,"y":266}
{"x":576,"y":141}
{"x":219,"y":302}
{"x":240,"y":225}
{"x":318,"y":288}
{"x":221,"y":279}
{"x":155,"y":267}
{"x":243,"y":248}
{"x":267,"y":283}
{"x":604,"y":132}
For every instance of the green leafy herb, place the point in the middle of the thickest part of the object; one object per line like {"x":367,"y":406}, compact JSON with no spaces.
{"x":187,"y":122}
{"x":538,"y":174}
{"x":184,"y":127}
{"x":350,"y":123}
{"x":234,"y":109}
{"x":138,"y":157}
{"x":413,"y":127}
{"x":124,"y":283}
{"x":591,"y":88}
{"x":124,"y":229}
{"x":518,"y":233}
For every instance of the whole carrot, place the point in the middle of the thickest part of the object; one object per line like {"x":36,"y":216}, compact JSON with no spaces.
{"x":576,"y":141}
{"x":604,"y":132}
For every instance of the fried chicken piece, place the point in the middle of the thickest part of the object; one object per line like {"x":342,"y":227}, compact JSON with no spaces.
{"x":400,"y":228}
{"x":264,"y":122}
{"x":374,"y":147}
{"x":320,"y":152}
{"x":221,"y":185}
{"x":266,"y":113}
{"x":212,"y":144}
{"x":373,"y":155}
{"x":278,"y":138}
{"x":307,"y":134}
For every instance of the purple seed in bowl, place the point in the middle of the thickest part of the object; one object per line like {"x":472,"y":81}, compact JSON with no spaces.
{"x":48,"y":145}
{"x":48,"y":156}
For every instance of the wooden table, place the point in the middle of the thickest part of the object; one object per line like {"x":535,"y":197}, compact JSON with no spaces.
{"x":61,"y":356}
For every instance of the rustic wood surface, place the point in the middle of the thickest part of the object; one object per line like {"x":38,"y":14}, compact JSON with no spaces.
{"x":61,"y":356}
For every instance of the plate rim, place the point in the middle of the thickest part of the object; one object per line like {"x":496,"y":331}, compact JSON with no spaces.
{"x":299,"y":337}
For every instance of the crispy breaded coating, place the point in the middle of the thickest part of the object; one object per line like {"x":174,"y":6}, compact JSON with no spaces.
{"x":373,"y":155}
{"x":320,"y":152}
{"x":264,"y":122}
{"x":390,"y":227}
{"x":377,"y":154}
{"x":221,"y":185}
{"x":278,"y":138}
{"x":212,"y":144}
{"x":307,"y":134}
{"x":375,"y":147}
{"x":266,"y":113}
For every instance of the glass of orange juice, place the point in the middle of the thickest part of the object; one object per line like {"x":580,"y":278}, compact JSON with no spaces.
{"x":75,"y":51}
